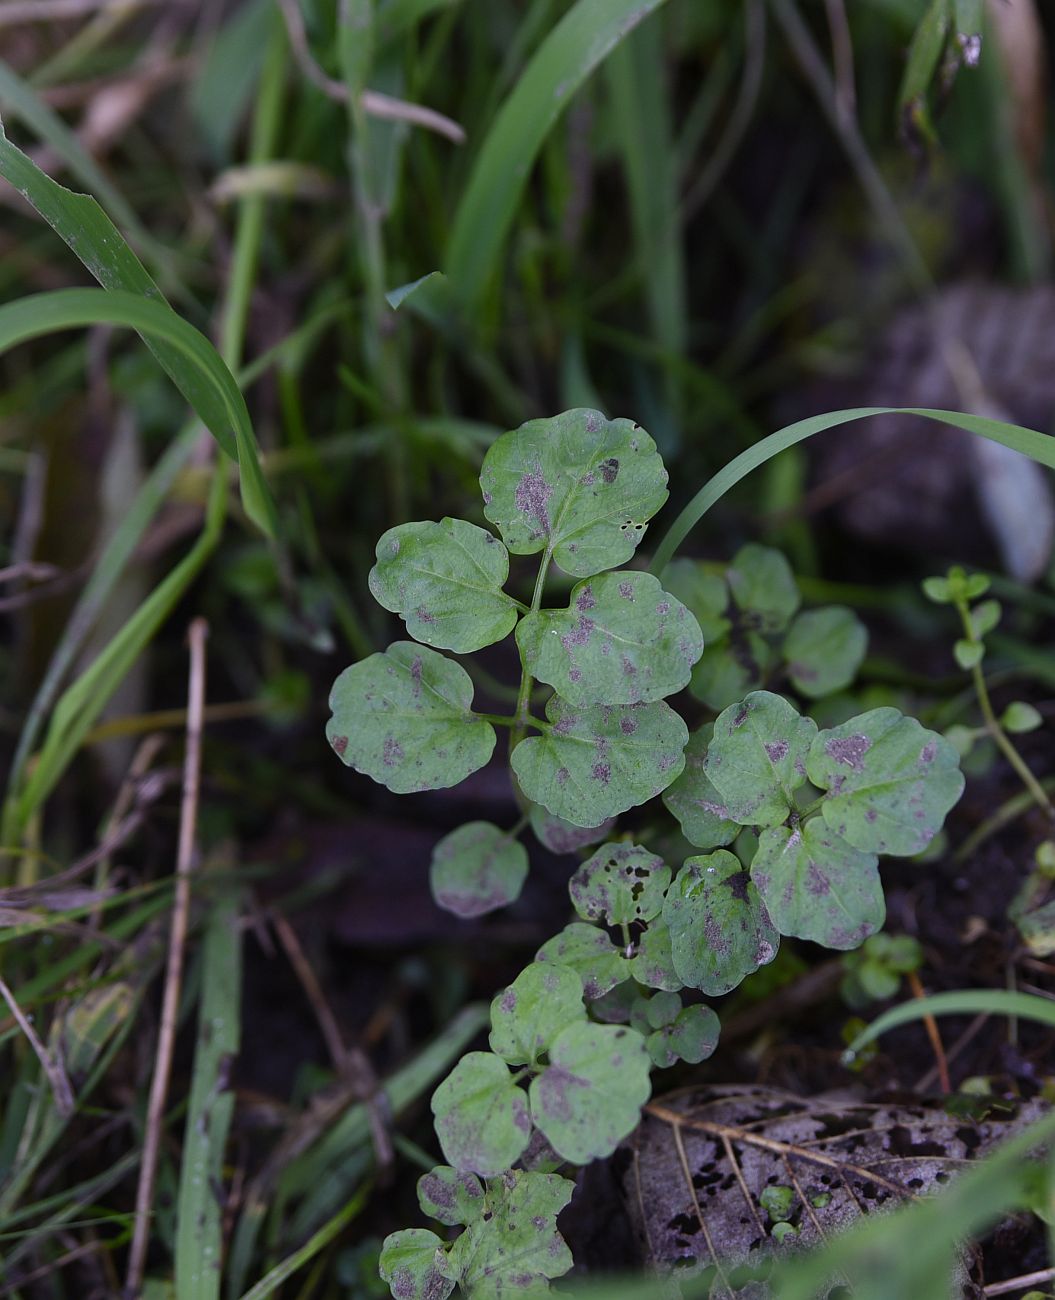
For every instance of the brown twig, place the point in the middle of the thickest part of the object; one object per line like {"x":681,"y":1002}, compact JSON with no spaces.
{"x":51,"y":1065}
{"x":327,"y":1021}
{"x":185,"y":860}
{"x":931,"y":1026}
{"x":1019,"y":1283}
{"x":964,"y":1041}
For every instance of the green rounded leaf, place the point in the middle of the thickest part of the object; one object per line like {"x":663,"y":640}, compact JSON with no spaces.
{"x":450,"y":1196}
{"x":620,"y":882}
{"x":616,"y":1006}
{"x":1020,"y":717}
{"x":482,"y":1118}
{"x":692,"y":1036}
{"x":590,"y":953}
{"x":816,"y":886}
{"x":720,"y":931}
{"x":579,"y":485}
{"x":531,"y":1012}
{"x":661,"y":1009}
{"x":694,"y":801}
{"x":559,"y":836}
{"x":622,"y":640}
{"x":824,"y":649}
{"x":757,"y":758}
{"x":705,"y":594}
{"x":476,"y":869}
{"x":590,"y":1096}
{"x":729,"y":669}
{"x":653,"y":963}
{"x":414,"y":1264}
{"x":445,"y":580}
{"x":890,"y":782}
{"x":404,"y":718}
{"x":597,"y":762}
{"x":763,"y":587}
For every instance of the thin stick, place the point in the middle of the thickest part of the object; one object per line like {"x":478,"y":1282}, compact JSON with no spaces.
{"x":931,"y":1026}
{"x":24,"y":11}
{"x":1019,"y":1283}
{"x":327,"y":1021}
{"x":185,"y":861}
{"x":51,"y":1065}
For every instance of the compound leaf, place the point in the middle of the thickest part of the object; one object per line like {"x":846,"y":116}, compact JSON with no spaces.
{"x":816,"y":886}
{"x":450,"y":1196}
{"x":620,"y":882}
{"x":414,"y":1263}
{"x":559,"y":836}
{"x":653,"y":963}
{"x":577,"y":485}
{"x":482,"y":1118}
{"x":596,"y":762}
{"x":763,"y":587}
{"x":590,"y":953}
{"x":694,"y":801}
{"x":757,"y":758}
{"x":720,"y":931}
{"x":543,"y":999}
{"x":823,"y":650}
{"x":590,"y":1096}
{"x":404,"y":718}
{"x":476,"y":869}
{"x":890,"y":782}
{"x":445,"y":580}
{"x":692,"y":1036}
{"x":622,"y":640}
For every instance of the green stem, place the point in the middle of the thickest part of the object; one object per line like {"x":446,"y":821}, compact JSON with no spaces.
{"x":523,"y":704}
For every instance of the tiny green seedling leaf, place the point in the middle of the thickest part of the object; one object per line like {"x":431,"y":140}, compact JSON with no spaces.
{"x":692,"y":1036}
{"x":653,"y":963}
{"x":757,"y":758}
{"x":694,"y":801}
{"x":968,"y":654}
{"x":890,"y":782}
{"x":620,"y":883}
{"x":482,"y":1118}
{"x":476,"y":869}
{"x":590,"y":1096}
{"x":778,"y":1202}
{"x":815,"y":886}
{"x":559,"y":836}
{"x":622,"y":640}
{"x":763,"y":587}
{"x":1020,"y":716}
{"x":450,"y":1196}
{"x":414,"y":1264}
{"x":526,"y":1017}
{"x":720,"y":931}
{"x":824,"y":649}
{"x":404,"y":718}
{"x":985,"y":617}
{"x":597,"y":762}
{"x":661,"y":1009}
{"x":579,"y":485}
{"x":704,"y":594}
{"x":445,"y":580}
{"x":590,"y":953}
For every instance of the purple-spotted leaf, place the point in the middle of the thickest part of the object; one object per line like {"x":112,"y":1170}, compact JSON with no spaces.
{"x":815,"y":886}
{"x":525,"y":1018}
{"x":653,"y":963}
{"x":597,"y":762}
{"x":757,"y":758}
{"x":622,"y":640}
{"x":450,"y":1196}
{"x":590,"y":953}
{"x":559,"y":836}
{"x":445,"y":580}
{"x":889,"y":781}
{"x":720,"y":931}
{"x":691,"y":1036}
{"x":578,"y":485}
{"x":694,"y":801}
{"x":404,"y":717}
{"x":476,"y":869}
{"x":590,"y":1096}
{"x":414,"y":1263}
{"x":620,"y":883}
{"x":482,"y":1118}
{"x":823,"y":650}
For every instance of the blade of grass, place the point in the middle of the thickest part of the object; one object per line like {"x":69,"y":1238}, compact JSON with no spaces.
{"x":580,"y":41}
{"x":961,"y":1002}
{"x":1040,"y":446}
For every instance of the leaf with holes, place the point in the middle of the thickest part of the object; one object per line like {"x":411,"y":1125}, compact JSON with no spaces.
{"x":559,"y":836}
{"x":694,"y":801}
{"x":476,"y":869}
{"x":450,"y":1196}
{"x":815,"y":886}
{"x":720,"y":931}
{"x":823,"y":650}
{"x":526,"y":1017}
{"x":622,"y":640}
{"x":757,"y":758}
{"x":653,"y":963}
{"x":620,"y":882}
{"x":445,"y":580}
{"x":404,"y":718}
{"x":691,"y":1036}
{"x":414,"y":1263}
{"x":590,"y":953}
{"x":590,"y":1096}
{"x":482,"y":1118}
{"x":579,"y":485}
{"x":763,"y":587}
{"x":890,"y":782}
{"x":597,"y":762}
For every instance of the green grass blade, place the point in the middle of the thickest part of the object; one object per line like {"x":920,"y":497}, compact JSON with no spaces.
{"x":46,"y":313}
{"x":1040,"y":446}
{"x":961,"y":1002}
{"x":223,"y":86}
{"x":211,"y":1106}
{"x":580,"y":41}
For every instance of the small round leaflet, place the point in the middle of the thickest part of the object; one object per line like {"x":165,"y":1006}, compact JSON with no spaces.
{"x":482,"y":1118}
{"x":476,"y":869}
{"x":531,"y":1012}
{"x":620,"y":883}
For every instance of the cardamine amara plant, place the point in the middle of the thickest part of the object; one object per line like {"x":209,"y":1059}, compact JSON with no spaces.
{"x":790,"y":819}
